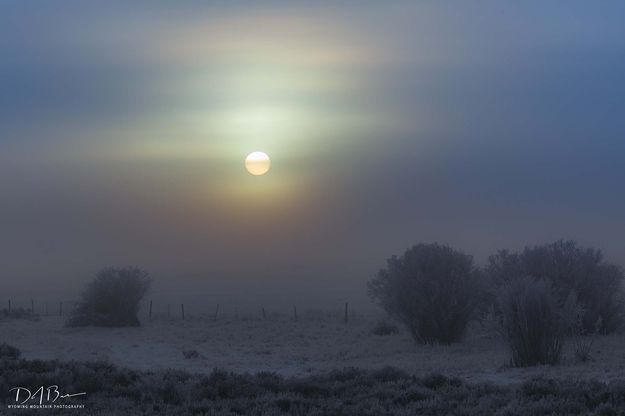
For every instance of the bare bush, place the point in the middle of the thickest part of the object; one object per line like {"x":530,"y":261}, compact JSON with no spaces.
{"x":570,"y":269}
{"x":112,"y":299}
{"x":431,"y":289}
{"x":532,"y":322}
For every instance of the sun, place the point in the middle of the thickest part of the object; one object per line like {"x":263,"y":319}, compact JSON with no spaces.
{"x":257,"y":163}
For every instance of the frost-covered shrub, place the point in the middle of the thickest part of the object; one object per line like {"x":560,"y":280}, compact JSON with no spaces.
{"x":532,"y":322}
{"x":384,"y":328}
{"x":8,"y":351}
{"x":431,"y":289}
{"x":112,"y":299}
{"x":570,"y":269}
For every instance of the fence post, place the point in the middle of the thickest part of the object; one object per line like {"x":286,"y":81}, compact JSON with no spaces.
{"x":346,"y":313}
{"x":216,"y":312}
{"x":150,"y":308}
{"x":182,"y":309}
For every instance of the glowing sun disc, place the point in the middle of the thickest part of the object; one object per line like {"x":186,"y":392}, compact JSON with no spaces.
{"x":257,"y":163}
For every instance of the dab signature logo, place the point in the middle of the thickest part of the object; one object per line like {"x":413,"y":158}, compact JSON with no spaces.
{"x":43,"y":397}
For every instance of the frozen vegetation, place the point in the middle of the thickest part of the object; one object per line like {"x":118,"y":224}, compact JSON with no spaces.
{"x":347,"y":391}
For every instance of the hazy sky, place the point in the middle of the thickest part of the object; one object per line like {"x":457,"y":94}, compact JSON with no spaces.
{"x":123,"y":131}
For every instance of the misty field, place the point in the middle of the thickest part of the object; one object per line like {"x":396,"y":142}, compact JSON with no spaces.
{"x":319,"y":365}
{"x":317,"y":343}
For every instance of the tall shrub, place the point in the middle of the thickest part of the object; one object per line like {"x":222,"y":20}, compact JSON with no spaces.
{"x":532,"y":322}
{"x":431,"y":289}
{"x":572,"y":271}
{"x":112,"y":299}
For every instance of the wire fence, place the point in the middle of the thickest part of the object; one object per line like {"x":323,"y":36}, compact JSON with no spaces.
{"x":181,"y":311}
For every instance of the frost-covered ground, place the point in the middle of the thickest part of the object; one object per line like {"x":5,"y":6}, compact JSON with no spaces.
{"x":316,"y":343}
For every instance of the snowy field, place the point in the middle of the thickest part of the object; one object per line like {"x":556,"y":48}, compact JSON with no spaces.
{"x":316,"y":343}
